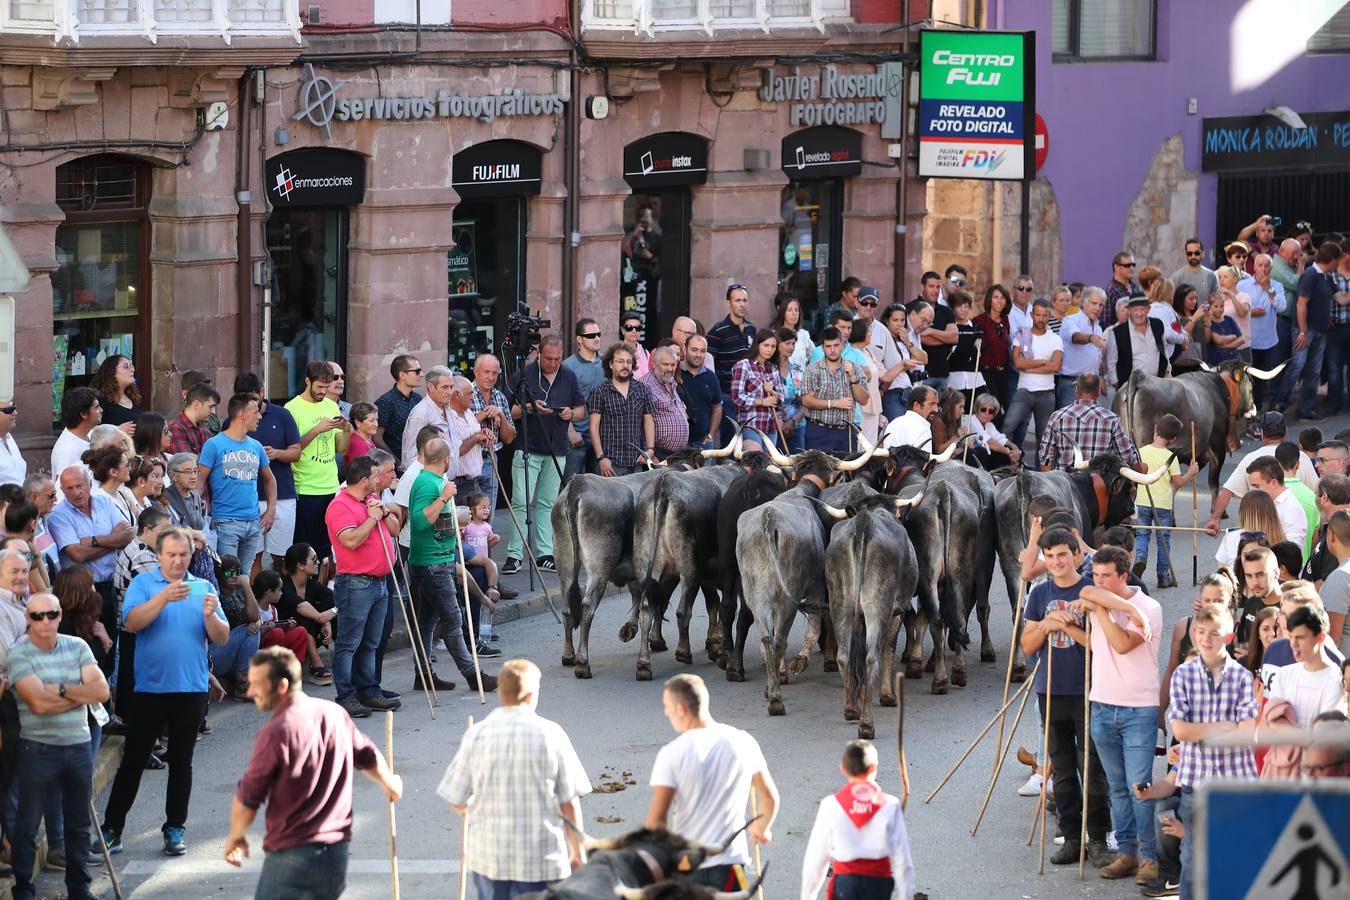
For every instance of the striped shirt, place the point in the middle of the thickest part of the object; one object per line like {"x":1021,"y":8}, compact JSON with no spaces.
{"x":728,"y":345}
{"x":480,"y":403}
{"x":668,"y":413}
{"x":1093,"y":429}
{"x":517,"y":768}
{"x":1197,"y":699}
{"x":59,"y":665}
{"x":621,"y":431}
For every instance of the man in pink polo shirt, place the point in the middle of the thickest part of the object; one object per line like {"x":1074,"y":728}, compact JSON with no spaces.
{"x":363,"y":531}
{"x":1126,"y":632}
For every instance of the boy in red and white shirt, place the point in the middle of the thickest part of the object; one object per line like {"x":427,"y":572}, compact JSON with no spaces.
{"x":861,"y":831}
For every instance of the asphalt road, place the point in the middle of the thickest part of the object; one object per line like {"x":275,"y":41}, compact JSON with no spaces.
{"x":617,"y":727}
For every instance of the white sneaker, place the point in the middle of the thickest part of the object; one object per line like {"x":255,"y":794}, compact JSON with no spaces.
{"x":1032,"y":788}
{"x":1111,"y":843}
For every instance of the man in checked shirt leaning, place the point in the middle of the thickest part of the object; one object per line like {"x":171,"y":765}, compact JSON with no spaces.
{"x":1211,"y":694}
{"x":514,"y":779}
{"x":1085,"y":424}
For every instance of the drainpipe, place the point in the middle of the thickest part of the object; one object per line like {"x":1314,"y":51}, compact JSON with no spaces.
{"x":898,"y":268}
{"x":571,"y":179}
{"x":244,"y":248}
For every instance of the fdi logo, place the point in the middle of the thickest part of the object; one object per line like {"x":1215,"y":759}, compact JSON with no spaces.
{"x":987,"y":160}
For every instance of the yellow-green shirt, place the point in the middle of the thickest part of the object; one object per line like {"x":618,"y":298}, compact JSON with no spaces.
{"x":316,"y":470}
{"x":1161,"y":490}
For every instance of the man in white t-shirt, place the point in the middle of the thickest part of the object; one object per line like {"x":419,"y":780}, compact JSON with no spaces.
{"x":1311,"y":684}
{"x":702,"y":780}
{"x":1272,"y":428}
{"x":1037,"y":355}
{"x":914,"y":428}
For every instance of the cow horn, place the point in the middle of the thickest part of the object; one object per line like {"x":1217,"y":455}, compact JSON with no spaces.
{"x":589,"y":843}
{"x":834,"y":512}
{"x":729,"y":449}
{"x":745,"y":894}
{"x":907,"y":504}
{"x":946,"y":455}
{"x":778,"y":457}
{"x":1267,"y":374}
{"x":629,"y":893}
{"x":1150,"y":478}
{"x":863,"y":441}
{"x":853,"y":465}
{"x":774,"y":469}
{"x":1207,"y":367}
{"x":1078,"y":462}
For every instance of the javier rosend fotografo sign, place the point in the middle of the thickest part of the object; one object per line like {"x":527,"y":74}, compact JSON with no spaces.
{"x":977,"y":105}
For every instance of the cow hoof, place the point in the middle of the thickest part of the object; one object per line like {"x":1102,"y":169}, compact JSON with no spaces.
{"x":940,"y":687}
{"x":887,"y":700}
{"x":798,"y":665}
{"x":866,"y":732}
{"x":959,"y":679}
{"x":644,"y":673}
{"x":776,"y":708}
{"x":714,"y":651}
{"x":988,"y":656}
{"x":831,"y":664}
{"x":684,"y":656}
{"x":569,"y":660}
{"x":658,"y":646}
{"x":735,"y":675}
{"x":722,"y":660}
{"x":627,"y":632}
{"x":582,"y":671}
{"x":1019,"y":673}
{"x":851,"y":715}
{"x":913,"y":670}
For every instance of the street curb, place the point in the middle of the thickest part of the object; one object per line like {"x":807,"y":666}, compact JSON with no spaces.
{"x":529,"y":603}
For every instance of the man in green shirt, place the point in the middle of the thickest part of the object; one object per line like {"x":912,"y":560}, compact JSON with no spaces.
{"x":323,"y":436}
{"x":1287,"y":455}
{"x":431,"y":558}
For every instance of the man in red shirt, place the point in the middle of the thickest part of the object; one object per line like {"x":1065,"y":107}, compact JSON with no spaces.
{"x":189,"y":430}
{"x":363,"y":531}
{"x":301,"y":765}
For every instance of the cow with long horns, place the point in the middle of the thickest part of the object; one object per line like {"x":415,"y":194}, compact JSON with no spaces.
{"x":648,"y":864}
{"x":1101,"y":493}
{"x":1215,"y":402}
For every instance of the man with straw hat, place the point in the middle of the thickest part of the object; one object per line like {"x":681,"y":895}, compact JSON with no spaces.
{"x":302,"y":764}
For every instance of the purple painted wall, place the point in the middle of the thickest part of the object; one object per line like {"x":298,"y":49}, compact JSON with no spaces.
{"x":1107,"y":120}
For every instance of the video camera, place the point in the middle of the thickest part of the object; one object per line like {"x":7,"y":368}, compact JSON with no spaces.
{"x":522,"y":333}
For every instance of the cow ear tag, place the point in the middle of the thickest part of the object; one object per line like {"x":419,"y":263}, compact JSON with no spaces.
{"x":684,"y":864}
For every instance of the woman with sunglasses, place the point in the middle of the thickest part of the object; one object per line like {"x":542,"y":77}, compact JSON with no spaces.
{"x":630,"y":326}
{"x":994,"y":329}
{"x":789,"y":307}
{"x":992,"y":448}
{"x":757,"y":389}
{"x":115,"y":382}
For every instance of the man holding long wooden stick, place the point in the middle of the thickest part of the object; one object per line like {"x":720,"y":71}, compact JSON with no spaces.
{"x":1049,"y":622}
{"x":301,"y":764}
{"x":1125,"y":638}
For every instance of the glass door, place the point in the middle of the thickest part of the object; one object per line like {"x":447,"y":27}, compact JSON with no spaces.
{"x":486,"y":273}
{"x":809,"y":244}
{"x":655,"y":262}
{"x":309,"y":294}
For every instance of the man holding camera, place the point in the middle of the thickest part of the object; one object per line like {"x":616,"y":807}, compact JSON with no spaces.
{"x":546,"y":400}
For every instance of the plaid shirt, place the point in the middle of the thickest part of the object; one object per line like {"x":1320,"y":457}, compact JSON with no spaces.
{"x":819,"y":381}
{"x":672,"y":422}
{"x":1198,"y":700}
{"x":513,"y":770}
{"x":184,"y":437}
{"x":479,"y":404}
{"x":1340,"y":315}
{"x":621,"y":434}
{"x":1095,"y":429}
{"x":1115,"y":292}
{"x":393,"y":410}
{"x":748,"y":384}
{"x":132,"y":560}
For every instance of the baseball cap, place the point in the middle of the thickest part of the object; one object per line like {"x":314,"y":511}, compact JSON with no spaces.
{"x":1272,"y":423}
{"x":869,"y":293}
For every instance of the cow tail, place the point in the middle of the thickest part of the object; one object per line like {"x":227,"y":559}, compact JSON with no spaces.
{"x":857,"y":649}
{"x":573,"y":599}
{"x":951,"y":559}
{"x":650,"y":588}
{"x":771,"y":534}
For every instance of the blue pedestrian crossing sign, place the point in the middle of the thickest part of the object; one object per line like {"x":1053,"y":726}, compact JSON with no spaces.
{"x":1273,"y":840}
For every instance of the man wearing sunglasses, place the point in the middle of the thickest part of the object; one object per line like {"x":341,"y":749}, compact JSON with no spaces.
{"x":586,"y":366}
{"x":396,"y":404}
{"x":13,"y":467}
{"x":57,"y":678}
{"x":1195,"y":273}
{"x":1121,"y":287}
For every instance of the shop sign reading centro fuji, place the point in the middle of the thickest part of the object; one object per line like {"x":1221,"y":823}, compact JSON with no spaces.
{"x":977,"y":105}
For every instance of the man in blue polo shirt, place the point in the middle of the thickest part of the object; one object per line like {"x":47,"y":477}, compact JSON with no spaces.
{"x":173,"y":614}
{"x":86,"y":528}
{"x":280,"y":437}
{"x":233,"y":469}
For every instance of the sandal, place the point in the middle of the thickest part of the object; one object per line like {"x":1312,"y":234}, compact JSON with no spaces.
{"x":320,"y":675}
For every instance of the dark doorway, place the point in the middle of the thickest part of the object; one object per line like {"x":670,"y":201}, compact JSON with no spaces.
{"x":810,"y":244}
{"x":1321,"y":198}
{"x":486,"y":272}
{"x":655,"y":273}
{"x":308,"y":248}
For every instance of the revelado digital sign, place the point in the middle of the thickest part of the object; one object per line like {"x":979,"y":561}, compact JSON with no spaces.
{"x":844,"y":97}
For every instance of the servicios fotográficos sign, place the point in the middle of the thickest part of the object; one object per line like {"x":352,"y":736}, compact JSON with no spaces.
{"x":976,"y":105}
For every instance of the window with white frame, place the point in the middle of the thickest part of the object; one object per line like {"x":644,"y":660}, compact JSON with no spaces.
{"x":37,"y":12}
{"x":732,"y":9}
{"x":183,"y":12}
{"x":258,"y":12}
{"x":647,"y":15}
{"x":107,"y":12}
{"x":1090,"y":30}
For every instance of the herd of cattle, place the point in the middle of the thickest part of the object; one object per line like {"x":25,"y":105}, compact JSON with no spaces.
{"x":859,"y":546}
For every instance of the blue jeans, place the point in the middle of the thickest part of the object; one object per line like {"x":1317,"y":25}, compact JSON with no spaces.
{"x":231,"y":658}
{"x":1024,"y":405}
{"x":1309,"y":362}
{"x":239,"y":537}
{"x":1124,"y":737}
{"x":483,"y":888}
{"x":311,"y":871}
{"x":361,"y":603}
{"x":487,"y":482}
{"x":1186,"y":813}
{"x":893,"y":403}
{"x":1147,"y":515}
{"x":67,"y":772}
{"x":1065,"y":390}
{"x":1338,"y":361}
